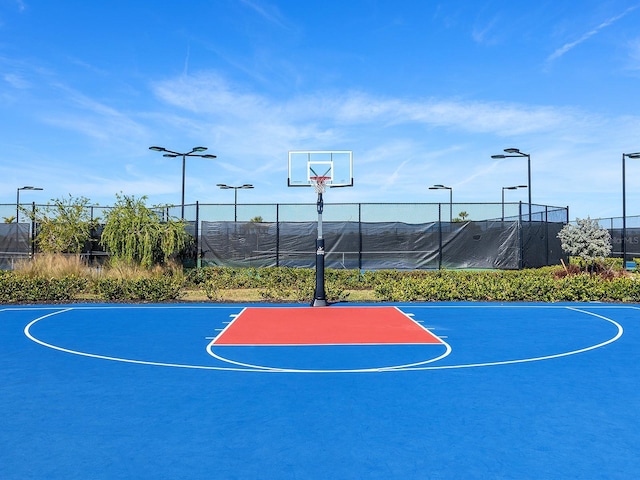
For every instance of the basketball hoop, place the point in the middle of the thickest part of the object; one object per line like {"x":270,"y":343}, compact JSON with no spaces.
{"x":320,"y":169}
{"x":319,"y":183}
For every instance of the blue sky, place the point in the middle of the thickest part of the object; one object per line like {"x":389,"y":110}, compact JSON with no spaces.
{"x":423,"y":92}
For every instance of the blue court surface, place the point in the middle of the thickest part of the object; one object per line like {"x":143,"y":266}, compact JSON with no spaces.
{"x":210,"y":391}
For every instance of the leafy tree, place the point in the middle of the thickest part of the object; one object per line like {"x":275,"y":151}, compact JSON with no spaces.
{"x":462,"y":216}
{"x":9,"y":219}
{"x":64,"y":226}
{"x":586,"y":240}
{"x":137,"y":234}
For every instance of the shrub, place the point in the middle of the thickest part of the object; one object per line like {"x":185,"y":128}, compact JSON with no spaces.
{"x":135,"y":233}
{"x":586,"y":240}
{"x":65,"y":226}
{"x":153,"y":289}
{"x":19,"y":288}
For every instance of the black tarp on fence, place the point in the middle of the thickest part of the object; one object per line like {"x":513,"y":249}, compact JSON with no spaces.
{"x":14,"y":243}
{"x":383,"y":245}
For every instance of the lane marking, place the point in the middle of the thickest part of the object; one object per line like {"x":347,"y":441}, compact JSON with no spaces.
{"x":254,"y":368}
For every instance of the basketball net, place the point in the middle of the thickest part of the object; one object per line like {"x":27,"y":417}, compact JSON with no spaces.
{"x":319,"y":183}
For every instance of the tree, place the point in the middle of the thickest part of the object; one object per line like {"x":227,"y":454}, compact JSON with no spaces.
{"x":462,"y":216}
{"x":63,"y":226}
{"x":137,"y":234}
{"x":586,"y":240}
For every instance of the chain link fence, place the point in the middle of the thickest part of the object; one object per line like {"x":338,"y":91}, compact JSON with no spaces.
{"x":358,"y":235}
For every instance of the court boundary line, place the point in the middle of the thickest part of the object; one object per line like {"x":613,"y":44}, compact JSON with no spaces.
{"x":382,"y":369}
{"x":543,"y":357}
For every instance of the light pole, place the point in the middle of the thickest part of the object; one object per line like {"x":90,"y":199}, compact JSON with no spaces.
{"x":195,"y":152}
{"x":235,"y":191}
{"x":514,"y":152}
{"x":443,"y":187}
{"x":18,"y":199}
{"x":514,"y":187}
{"x":624,"y":207}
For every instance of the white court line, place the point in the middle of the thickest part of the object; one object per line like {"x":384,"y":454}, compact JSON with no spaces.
{"x":118,"y":359}
{"x":352,"y":370}
{"x":387,"y":369}
{"x":355,"y":370}
{"x":537,"y":359}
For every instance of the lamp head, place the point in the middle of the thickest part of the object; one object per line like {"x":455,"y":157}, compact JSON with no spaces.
{"x":498,"y":156}
{"x":198,"y":149}
{"x":209,"y":156}
{"x":158,"y":149}
{"x":512,"y":150}
{"x":633,"y":155}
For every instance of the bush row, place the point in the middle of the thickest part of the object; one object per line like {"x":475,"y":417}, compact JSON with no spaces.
{"x":21,"y":289}
{"x":15,"y":288}
{"x":526,"y":285}
{"x":293,"y":284}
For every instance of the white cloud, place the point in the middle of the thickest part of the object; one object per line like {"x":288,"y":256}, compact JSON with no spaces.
{"x":269,"y":12}
{"x":571,"y":45}
{"x":634,"y":54}
{"x":297,"y":116}
{"x":16,"y":81}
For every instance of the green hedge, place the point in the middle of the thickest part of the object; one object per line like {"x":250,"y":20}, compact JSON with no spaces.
{"x":524,"y":285}
{"x":549,"y":284}
{"x":155,"y":289}
{"x":274,"y":283}
{"x":20,"y":289}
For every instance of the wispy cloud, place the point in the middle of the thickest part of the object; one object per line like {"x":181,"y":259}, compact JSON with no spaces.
{"x":268,"y":12}
{"x":482,"y":34}
{"x":16,"y":81}
{"x":569,"y":46}
{"x":213,"y":95}
{"x":634,"y":54}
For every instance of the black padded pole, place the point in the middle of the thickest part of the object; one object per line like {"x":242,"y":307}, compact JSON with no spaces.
{"x":319,"y":296}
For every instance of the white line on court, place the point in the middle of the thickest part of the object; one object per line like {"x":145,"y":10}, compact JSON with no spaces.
{"x":537,"y":359}
{"x":411,"y":367}
{"x":118,"y":359}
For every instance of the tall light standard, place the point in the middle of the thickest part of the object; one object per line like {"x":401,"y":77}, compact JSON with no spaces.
{"x":18,"y":199}
{"x":624,"y":207}
{"x":514,"y":187}
{"x":235,"y":191}
{"x":195,"y":152}
{"x":443,"y":187}
{"x":514,"y":152}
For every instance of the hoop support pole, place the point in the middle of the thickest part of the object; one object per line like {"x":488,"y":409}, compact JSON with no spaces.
{"x":319,"y":296}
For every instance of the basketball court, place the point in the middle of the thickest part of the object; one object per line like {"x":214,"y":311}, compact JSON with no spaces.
{"x":263,"y":391}
{"x":461,"y":390}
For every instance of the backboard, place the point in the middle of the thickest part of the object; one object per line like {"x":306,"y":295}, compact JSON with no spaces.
{"x":336,"y":168}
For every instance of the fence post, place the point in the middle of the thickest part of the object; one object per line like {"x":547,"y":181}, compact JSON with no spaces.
{"x":197,"y":236}
{"x":33,"y":229}
{"x":520,"y":235}
{"x":440,"y":236}
{"x":546,"y":224}
{"x":277,"y":234}
{"x":360,"y":236}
